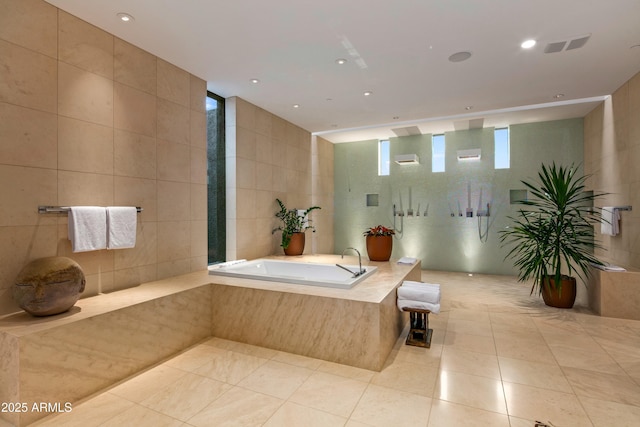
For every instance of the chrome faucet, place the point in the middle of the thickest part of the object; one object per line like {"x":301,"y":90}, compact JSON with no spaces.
{"x":360,"y":270}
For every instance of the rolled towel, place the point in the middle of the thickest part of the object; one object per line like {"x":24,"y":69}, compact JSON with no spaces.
{"x":422,"y":293}
{"x":403,"y":303}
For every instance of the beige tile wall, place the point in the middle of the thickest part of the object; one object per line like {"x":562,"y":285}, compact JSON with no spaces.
{"x":89,"y":119}
{"x":612,"y":156}
{"x":322,"y":194}
{"x":269,"y":158}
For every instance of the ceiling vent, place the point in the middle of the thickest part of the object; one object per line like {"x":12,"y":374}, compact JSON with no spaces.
{"x":407,"y":159}
{"x":578,"y":43}
{"x":564,"y":45}
{"x":555,"y":47}
{"x":411,"y":130}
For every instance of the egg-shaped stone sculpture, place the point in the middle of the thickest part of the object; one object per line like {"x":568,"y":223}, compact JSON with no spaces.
{"x":48,"y":286}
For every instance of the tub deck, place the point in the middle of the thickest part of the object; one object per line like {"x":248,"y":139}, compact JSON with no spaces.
{"x":105,"y":339}
{"x":356,"y":327}
{"x":615,"y":294}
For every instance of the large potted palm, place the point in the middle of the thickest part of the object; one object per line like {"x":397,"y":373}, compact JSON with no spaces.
{"x":294,"y":223}
{"x":553,"y":234}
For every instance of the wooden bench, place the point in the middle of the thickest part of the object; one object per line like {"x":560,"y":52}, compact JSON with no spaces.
{"x":419,"y":333}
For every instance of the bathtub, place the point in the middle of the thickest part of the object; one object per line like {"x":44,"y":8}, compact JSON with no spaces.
{"x":304,"y":273}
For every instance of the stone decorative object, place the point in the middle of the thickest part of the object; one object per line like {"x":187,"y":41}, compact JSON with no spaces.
{"x":48,"y":286}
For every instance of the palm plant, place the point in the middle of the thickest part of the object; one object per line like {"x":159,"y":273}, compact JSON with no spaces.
{"x":554,"y":232}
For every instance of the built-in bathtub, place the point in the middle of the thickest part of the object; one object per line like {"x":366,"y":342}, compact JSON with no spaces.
{"x":110,"y":337}
{"x":314,"y":274}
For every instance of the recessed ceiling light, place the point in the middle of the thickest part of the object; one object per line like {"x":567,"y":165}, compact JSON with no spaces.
{"x":528,"y":44}
{"x":255,"y":81}
{"x":296,"y":105}
{"x":368,"y":93}
{"x":341,"y":61}
{"x":460,"y":56}
{"x":125,"y":17}
{"x":558,"y":95}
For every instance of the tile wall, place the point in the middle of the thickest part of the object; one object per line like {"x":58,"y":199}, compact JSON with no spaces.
{"x":89,"y":119}
{"x":269,"y":158}
{"x":322,"y":195}
{"x":612,"y":154}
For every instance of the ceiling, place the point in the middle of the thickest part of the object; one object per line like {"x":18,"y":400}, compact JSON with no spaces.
{"x":398,"y":50}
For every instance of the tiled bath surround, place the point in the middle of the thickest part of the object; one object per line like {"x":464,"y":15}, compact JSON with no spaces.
{"x":105,"y":339}
{"x":99,"y":341}
{"x":356,"y":326}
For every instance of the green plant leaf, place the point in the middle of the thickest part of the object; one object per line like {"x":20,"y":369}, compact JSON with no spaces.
{"x":292,"y":222}
{"x":554,"y":231}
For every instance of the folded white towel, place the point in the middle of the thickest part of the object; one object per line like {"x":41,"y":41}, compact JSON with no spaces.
{"x":608,"y":267}
{"x":407,"y":260}
{"x":87,"y":228}
{"x":121,"y":226}
{"x":415,"y":293}
{"x":609,"y":225}
{"x":404,"y":303}
{"x":420,"y":285}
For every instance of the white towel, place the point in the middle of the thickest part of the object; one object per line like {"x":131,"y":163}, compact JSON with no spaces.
{"x":407,"y":260}
{"x":87,"y":228}
{"x":121,"y":227}
{"x":423,"y":294}
{"x":404,"y":303}
{"x":420,"y":284}
{"x":609,"y":225}
{"x":608,"y":267}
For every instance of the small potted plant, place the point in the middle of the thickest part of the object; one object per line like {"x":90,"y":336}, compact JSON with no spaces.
{"x":379,"y":243}
{"x":294,"y":223}
{"x":553,"y":234}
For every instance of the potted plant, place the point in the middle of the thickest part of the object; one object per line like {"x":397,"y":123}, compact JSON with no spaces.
{"x":553,"y":235}
{"x":379,"y":243}
{"x":294,"y":224}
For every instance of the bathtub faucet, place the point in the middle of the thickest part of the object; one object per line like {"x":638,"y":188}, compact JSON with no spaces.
{"x":360,"y":271}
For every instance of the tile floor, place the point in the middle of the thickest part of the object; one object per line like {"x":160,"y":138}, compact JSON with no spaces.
{"x":499,"y":358}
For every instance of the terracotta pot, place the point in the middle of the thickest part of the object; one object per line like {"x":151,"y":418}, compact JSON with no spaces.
{"x":296,"y":245}
{"x":379,"y":247}
{"x":563,"y":299}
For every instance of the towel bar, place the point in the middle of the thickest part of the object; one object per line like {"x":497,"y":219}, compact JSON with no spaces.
{"x":64,"y":209}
